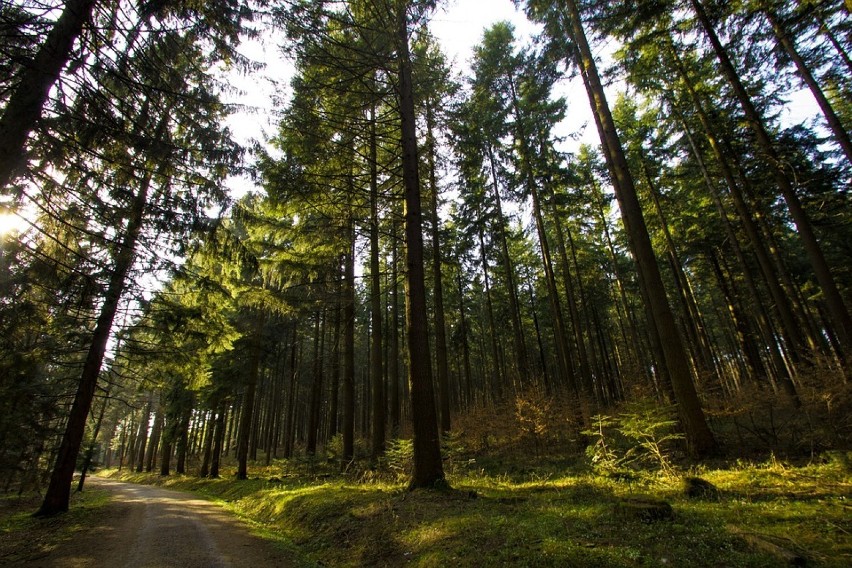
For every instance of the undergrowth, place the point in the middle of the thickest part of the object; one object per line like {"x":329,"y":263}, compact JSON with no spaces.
{"x":542,"y":515}
{"x":25,"y":538}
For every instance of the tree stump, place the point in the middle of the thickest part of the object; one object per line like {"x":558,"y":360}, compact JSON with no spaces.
{"x":645,"y":510}
{"x":697,"y":488}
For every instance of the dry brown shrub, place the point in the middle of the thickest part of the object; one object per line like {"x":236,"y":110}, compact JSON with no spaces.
{"x":757,"y":419}
{"x":530,"y":422}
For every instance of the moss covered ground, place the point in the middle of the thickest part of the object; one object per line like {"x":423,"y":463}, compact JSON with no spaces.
{"x":545,"y":514}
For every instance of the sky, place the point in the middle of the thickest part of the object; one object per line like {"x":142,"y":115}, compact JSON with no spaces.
{"x":458,"y":25}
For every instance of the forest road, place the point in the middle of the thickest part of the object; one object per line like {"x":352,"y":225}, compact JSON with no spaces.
{"x":151,"y":527}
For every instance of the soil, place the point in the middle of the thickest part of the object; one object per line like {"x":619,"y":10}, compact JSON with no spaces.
{"x":151,"y":527}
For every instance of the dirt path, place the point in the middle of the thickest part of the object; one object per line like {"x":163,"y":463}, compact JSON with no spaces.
{"x":151,"y":527}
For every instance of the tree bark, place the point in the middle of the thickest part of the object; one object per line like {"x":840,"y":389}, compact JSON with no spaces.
{"x":26,"y":103}
{"x":59,"y":491}
{"x":699,"y":436}
{"x":428,"y":468}
{"x":839,"y":313}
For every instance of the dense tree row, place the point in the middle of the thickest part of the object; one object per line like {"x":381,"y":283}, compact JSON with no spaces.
{"x":421,"y":246}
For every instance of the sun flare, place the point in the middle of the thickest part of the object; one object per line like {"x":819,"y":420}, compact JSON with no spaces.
{"x":12,"y":224}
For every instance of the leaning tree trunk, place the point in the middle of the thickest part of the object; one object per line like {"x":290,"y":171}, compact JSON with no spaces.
{"x":699,"y":436}
{"x":790,"y":329}
{"x":831,"y":118}
{"x":59,"y":491}
{"x":839,"y":313}
{"x":27,"y":101}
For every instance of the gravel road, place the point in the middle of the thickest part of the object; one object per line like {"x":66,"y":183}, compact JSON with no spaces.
{"x":151,"y":527}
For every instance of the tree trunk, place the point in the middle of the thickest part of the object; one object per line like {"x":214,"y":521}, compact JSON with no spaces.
{"x":218,"y":439}
{"x":378,"y":406}
{"x":183,"y":438}
{"x":699,"y":436}
{"x":348,"y":427}
{"x":290,"y":416}
{"x":87,"y":460}
{"x":428,"y":469}
{"x":635,"y":337}
{"x":574,"y":313}
{"x":694,"y":320}
{"x":465,"y":344}
{"x":522,"y":369}
{"x":751,"y":285}
{"x":790,"y":329}
{"x":204,"y":470}
{"x":166,"y":449}
{"x":26,"y":103}
{"x":137,"y":461}
{"x":498,"y":376}
{"x":316,"y":386}
{"x":565,"y":358}
{"x":333,"y":420}
{"x":393,"y":325}
{"x":59,"y":491}
{"x":247,"y":412}
{"x":442,"y":367}
{"x":154,"y":443}
{"x":839,"y":313}
{"x":789,"y":45}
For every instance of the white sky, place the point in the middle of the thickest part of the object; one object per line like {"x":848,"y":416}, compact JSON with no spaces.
{"x":459,"y":26}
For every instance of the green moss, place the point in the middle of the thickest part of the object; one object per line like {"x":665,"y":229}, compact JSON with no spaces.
{"x":561,"y":518}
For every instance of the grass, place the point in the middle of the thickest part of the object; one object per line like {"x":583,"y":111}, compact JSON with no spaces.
{"x":24,"y":538}
{"x":543,"y":515}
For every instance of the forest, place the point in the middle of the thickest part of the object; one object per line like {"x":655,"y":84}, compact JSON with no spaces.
{"x":422,"y":283}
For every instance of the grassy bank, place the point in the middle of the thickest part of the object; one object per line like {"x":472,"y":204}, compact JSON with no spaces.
{"x":24,"y":538}
{"x":547,"y":516}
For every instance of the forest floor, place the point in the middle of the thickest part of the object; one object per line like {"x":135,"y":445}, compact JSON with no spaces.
{"x":543,"y":513}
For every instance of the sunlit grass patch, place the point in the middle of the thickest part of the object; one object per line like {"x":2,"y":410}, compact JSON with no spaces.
{"x":551,"y":517}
